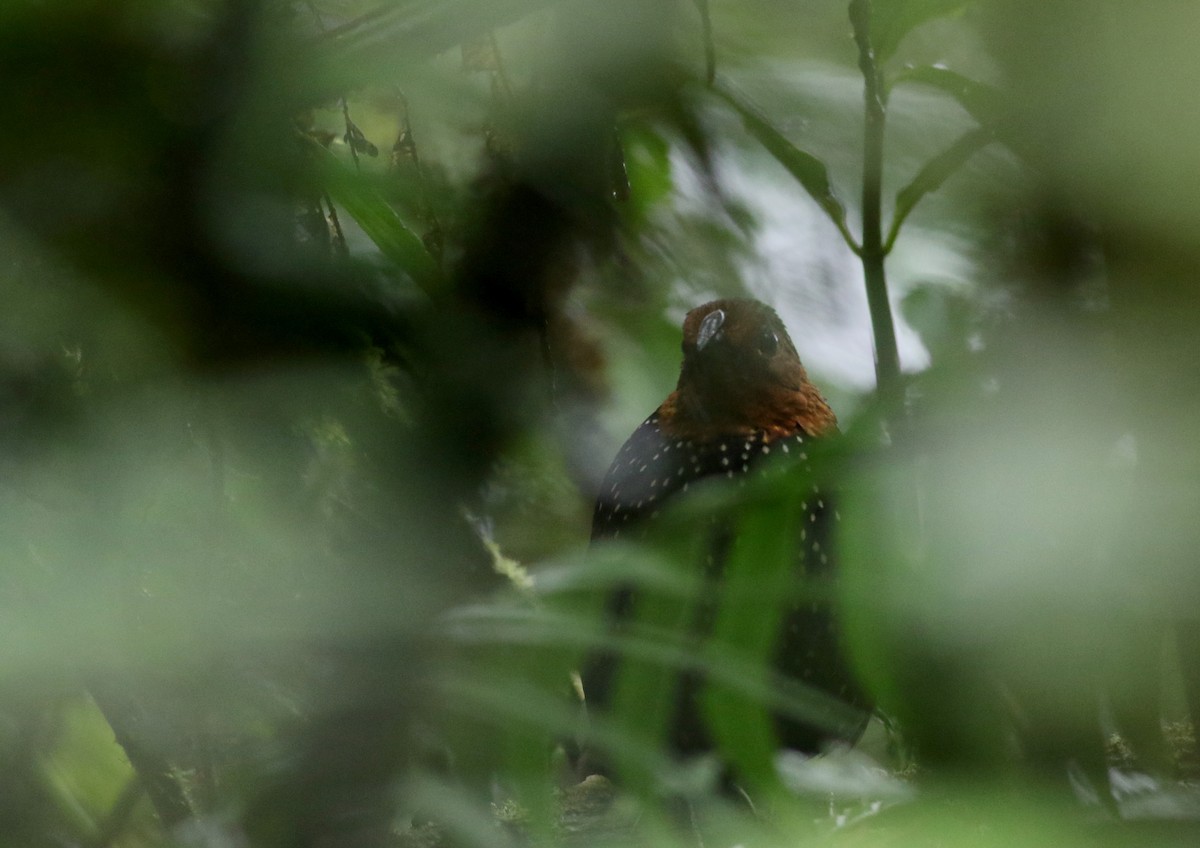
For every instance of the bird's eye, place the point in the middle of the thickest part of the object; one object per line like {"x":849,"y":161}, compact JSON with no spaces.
{"x":768,"y":342}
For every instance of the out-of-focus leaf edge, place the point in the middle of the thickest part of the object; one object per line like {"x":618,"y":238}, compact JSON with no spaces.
{"x":747,"y":621}
{"x":935,"y":172}
{"x":808,"y":170}
{"x":381,"y":223}
{"x":982,"y":102}
{"x":893,"y":20}
{"x":415,"y":31}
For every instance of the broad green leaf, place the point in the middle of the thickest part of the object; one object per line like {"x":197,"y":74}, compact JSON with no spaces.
{"x":892,"y":20}
{"x":808,"y":170}
{"x":380,"y":222}
{"x":982,"y":102}
{"x":935,"y":172}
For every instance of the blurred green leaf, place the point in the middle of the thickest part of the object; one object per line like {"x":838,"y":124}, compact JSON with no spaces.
{"x":754,"y":588}
{"x":930,"y":178}
{"x":645,"y":698}
{"x":985,"y":103}
{"x":892,"y":20}
{"x":381,"y":223}
{"x":416,"y":30}
{"x":808,"y":170}
{"x":647,"y":159}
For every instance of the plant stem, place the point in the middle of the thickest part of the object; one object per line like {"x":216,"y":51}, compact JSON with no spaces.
{"x":887,"y":355}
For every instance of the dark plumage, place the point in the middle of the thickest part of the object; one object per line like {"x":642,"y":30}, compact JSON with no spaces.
{"x":743,"y":399}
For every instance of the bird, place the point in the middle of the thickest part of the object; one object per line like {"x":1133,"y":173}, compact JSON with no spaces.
{"x":743,"y":400}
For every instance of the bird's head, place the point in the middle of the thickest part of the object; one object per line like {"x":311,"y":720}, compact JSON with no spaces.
{"x":741,"y":373}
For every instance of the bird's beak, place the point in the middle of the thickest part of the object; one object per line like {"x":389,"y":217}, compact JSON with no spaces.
{"x":710,"y":328}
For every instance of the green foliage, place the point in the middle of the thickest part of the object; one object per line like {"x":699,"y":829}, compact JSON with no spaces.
{"x":382,"y":225}
{"x":322,"y":320}
{"x":808,"y":170}
{"x":892,"y":20}
{"x":983,"y":102}
{"x":759,"y":565}
{"x":930,"y":178}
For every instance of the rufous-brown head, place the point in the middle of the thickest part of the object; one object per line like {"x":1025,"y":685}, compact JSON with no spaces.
{"x":741,"y":374}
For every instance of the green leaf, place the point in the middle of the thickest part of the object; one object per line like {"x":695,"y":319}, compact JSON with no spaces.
{"x":808,"y":170}
{"x":892,"y":20}
{"x":983,"y":102}
{"x":354,"y":193}
{"x":414,"y":30}
{"x":645,"y":693}
{"x":935,"y":172}
{"x":756,"y":576}
{"x":646,"y":156}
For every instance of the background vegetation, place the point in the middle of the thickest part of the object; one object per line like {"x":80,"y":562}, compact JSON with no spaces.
{"x":322,"y":320}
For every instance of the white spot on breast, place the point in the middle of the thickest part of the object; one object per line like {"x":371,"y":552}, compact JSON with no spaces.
{"x":820,"y":503}
{"x":723,"y":447}
{"x":785,"y":447}
{"x":766,"y":448}
{"x":685,"y":487}
{"x":679,"y":444}
{"x":803,"y":455}
{"x":824,"y":559}
{"x":725,"y":461}
{"x":745,"y":466}
{"x":729,"y":474}
{"x":656,"y":456}
{"x":812,"y":518}
{"x":803,"y":534}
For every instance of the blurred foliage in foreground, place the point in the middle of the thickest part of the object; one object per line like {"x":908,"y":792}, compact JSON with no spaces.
{"x":323,"y":318}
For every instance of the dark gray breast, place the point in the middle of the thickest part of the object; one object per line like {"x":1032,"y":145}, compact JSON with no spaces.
{"x":652,"y":466}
